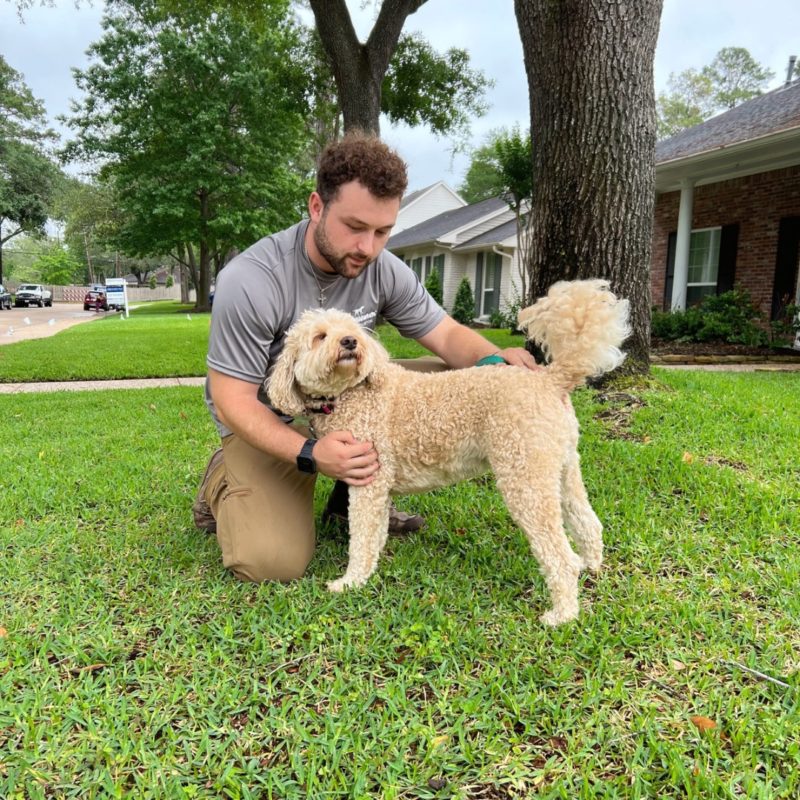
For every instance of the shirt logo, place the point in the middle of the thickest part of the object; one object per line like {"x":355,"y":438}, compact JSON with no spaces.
{"x":365,"y":318}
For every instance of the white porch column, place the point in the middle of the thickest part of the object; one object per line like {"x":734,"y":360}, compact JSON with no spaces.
{"x":681,"y":272}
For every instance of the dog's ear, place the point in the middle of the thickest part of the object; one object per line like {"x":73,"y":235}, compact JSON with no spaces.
{"x":282,"y":388}
{"x":376,"y":361}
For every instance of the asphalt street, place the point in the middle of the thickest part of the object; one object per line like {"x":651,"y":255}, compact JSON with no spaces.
{"x":17,"y":324}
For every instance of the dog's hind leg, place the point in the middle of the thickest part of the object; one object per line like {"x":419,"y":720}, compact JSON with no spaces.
{"x":581,"y":521}
{"x":368,"y":516}
{"x":537,"y":510}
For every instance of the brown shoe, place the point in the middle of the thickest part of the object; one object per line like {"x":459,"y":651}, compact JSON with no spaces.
{"x":335,"y":514}
{"x":401,"y":523}
{"x":203,"y":518}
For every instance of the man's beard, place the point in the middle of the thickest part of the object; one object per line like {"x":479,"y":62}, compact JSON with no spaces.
{"x":337,"y":260}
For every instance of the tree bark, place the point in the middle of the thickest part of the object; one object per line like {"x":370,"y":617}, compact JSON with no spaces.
{"x":359,"y":69}
{"x":589,"y":65}
{"x":203,"y":284}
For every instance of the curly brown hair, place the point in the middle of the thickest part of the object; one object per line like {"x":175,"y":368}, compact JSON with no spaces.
{"x":364,"y":158}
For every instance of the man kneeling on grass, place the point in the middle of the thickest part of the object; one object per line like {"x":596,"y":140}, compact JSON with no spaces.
{"x":257,"y":491}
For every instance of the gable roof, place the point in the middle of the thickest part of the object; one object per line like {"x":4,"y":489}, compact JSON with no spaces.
{"x":434,"y":228}
{"x":758,"y":135}
{"x":412,"y":197}
{"x":498,"y":235}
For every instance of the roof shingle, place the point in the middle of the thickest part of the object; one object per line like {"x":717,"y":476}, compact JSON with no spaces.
{"x":769,"y":113}
{"x":432,"y":229}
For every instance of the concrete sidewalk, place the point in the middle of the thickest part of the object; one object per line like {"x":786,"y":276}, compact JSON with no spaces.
{"x":86,"y":386}
{"x":161,"y":383}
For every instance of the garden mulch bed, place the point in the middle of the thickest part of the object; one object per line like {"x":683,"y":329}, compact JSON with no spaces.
{"x":668,"y":352}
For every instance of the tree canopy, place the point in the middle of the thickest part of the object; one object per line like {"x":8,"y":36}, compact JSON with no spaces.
{"x":28,"y":176}
{"x":695,"y":95}
{"x":501,"y":166}
{"x":195,"y":123}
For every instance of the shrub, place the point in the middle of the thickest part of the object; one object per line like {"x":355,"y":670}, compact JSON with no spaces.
{"x":507,"y":317}
{"x":464,"y":305}
{"x":433,"y":284}
{"x":728,"y":317}
{"x":152,"y":282}
{"x":784,"y":329}
{"x":170,"y":282}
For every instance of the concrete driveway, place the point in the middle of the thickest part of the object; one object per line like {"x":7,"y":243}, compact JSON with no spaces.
{"x":18,"y":324}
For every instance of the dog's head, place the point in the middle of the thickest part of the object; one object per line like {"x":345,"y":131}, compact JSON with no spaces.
{"x":325,"y":353}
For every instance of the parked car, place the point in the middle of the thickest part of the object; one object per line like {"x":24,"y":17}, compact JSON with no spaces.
{"x":33,"y":294}
{"x":5,"y":298}
{"x":95,"y":300}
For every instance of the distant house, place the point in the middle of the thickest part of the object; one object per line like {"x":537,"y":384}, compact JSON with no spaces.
{"x":728,"y":206}
{"x":426,"y":203}
{"x":478,"y":241}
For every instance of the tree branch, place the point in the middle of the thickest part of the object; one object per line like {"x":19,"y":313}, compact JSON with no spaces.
{"x":386,"y":32}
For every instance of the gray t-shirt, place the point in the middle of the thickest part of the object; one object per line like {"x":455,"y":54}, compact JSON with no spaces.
{"x":262,"y":291}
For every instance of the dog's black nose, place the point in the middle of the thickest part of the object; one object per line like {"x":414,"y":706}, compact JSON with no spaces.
{"x":349,"y":342}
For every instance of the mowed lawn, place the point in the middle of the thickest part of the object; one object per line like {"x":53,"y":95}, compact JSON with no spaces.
{"x":158,"y":340}
{"x":132,"y":665}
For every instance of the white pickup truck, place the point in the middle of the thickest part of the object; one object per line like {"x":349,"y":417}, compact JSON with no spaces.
{"x":33,"y":294}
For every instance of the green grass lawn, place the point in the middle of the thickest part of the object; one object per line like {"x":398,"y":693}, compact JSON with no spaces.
{"x":158,"y":340}
{"x":132,"y":665}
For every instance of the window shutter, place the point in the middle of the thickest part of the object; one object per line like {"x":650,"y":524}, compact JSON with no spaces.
{"x":427,"y":266}
{"x":478,"y":285}
{"x":726,"y":272}
{"x":672,"y":241}
{"x":783,"y":285}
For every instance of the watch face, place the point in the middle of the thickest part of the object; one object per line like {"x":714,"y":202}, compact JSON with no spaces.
{"x":306,"y":464}
{"x":305,"y":461}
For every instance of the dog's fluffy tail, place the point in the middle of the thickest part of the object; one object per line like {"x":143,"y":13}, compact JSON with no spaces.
{"x":579,"y":326}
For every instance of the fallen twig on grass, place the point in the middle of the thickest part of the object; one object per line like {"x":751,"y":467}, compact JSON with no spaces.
{"x":758,"y":674}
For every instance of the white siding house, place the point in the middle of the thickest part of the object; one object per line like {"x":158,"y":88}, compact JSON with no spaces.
{"x":426,"y":203}
{"x":477,"y":241}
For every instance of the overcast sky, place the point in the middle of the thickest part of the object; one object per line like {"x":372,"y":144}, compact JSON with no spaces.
{"x":49,"y":41}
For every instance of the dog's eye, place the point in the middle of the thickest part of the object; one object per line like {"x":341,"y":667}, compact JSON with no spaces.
{"x":320,"y":337}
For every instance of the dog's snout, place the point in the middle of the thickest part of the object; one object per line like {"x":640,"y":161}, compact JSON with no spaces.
{"x":349,"y":342}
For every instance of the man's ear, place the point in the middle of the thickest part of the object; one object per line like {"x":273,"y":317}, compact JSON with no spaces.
{"x":315,"y":207}
{"x":282,"y":388}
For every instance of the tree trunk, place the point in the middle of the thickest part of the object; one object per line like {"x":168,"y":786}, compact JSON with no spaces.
{"x":358,"y":69}
{"x":203,"y":282}
{"x":183,"y":273}
{"x":593,"y":125}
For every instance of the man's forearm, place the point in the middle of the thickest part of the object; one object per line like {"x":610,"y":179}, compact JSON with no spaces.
{"x":458,"y":345}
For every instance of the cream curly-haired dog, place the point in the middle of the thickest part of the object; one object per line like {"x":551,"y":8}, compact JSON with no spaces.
{"x":433,"y":429}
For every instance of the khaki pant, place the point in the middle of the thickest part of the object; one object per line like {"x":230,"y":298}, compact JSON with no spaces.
{"x":264,"y":507}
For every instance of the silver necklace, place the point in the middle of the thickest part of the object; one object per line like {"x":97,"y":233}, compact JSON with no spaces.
{"x":321,"y":300}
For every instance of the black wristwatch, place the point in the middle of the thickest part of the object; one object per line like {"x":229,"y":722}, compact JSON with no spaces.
{"x":305,"y":461}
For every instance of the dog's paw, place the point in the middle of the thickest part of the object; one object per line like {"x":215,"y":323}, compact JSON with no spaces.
{"x":558,"y":616}
{"x":340,"y":584}
{"x":594,"y":565}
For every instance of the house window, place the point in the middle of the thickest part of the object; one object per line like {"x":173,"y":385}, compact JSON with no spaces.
{"x":416,"y":265}
{"x":703,"y":264}
{"x":488,"y":272}
{"x":712,"y":262}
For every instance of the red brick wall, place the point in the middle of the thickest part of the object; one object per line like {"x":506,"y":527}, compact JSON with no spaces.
{"x":757,"y":203}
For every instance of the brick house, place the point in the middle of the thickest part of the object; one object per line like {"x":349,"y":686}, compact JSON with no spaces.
{"x":727,"y":206}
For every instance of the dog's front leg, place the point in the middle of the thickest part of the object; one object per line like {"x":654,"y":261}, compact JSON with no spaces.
{"x":368,"y":517}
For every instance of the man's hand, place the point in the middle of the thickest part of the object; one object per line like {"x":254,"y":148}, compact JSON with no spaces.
{"x":520,"y":357}
{"x":340,"y":455}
